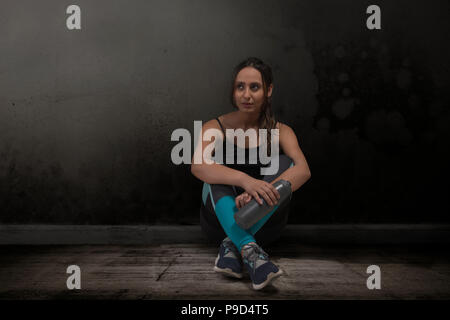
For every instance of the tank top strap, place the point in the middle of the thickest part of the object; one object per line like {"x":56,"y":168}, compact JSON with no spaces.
{"x":220,"y":125}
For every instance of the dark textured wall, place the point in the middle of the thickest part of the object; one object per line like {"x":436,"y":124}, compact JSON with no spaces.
{"x":86,"y":116}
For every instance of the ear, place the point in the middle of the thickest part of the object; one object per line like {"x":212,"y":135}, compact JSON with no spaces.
{"x":269,"y":91}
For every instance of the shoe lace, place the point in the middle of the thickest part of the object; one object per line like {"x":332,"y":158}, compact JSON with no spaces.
{"x":253,"y":252}
{"x":229,"y":246}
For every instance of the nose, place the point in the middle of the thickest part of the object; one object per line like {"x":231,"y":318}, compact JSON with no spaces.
{"x":247,"y":93}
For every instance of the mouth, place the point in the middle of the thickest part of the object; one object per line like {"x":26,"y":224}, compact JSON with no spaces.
{"x":247,"y":104}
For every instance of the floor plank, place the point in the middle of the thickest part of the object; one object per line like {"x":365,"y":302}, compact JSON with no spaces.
{"x":185,"y":271}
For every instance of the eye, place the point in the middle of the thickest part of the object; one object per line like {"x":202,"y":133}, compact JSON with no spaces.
{"x":254,"y":86}
{"x":240,"y":86}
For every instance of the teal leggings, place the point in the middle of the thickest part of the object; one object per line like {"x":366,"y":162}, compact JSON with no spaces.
{"x":225,"y":208}
{"x":222,"y":199}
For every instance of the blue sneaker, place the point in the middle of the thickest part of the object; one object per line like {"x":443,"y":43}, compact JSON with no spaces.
{"x":228,"y":260}
{"x":261,"y":270}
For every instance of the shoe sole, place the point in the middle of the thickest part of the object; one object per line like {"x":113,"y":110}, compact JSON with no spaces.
{"x":227,"y":271}
{"x":272,"y":276}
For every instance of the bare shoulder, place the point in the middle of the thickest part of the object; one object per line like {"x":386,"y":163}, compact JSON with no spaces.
{"x":283,"y":127}
{"x":211,"y":124}
{"x":287,"y":134}
{"x":228,"y":120}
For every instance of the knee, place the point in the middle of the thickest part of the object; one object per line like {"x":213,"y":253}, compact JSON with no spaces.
{"x":275,"y":169}
{"x":285,"y":162}
{"x":225,"y":206}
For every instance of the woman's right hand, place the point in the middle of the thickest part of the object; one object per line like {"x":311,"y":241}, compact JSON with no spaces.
{"x":242,"y":199}
{"x":257,"y":188}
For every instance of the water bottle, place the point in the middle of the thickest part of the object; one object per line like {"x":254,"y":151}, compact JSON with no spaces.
{"x":252,"y":212}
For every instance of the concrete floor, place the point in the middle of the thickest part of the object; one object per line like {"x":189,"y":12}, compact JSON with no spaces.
{"x":185,"y":271}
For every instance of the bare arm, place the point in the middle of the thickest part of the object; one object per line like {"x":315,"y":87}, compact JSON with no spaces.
{"x":213,"y":173}
{"x":299,"y":173}
{"x":296,"y":175}
{"x":217,"y":174}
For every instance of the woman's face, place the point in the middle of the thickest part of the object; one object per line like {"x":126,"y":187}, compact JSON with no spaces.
{"x":248,"y":90}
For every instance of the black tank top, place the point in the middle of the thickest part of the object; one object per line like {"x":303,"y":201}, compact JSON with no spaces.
{"x":252,"y":169}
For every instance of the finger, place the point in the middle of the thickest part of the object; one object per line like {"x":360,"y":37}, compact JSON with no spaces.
{"x":272,"y":195}
{"x":274,"y":190}
{"x":266,"y":197}
{"x":257,"y":198}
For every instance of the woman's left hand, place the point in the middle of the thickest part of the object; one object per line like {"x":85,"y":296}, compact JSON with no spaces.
{"x":242,"y":199}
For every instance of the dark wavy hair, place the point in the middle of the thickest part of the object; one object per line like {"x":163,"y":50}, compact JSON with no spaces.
{"x":266,"y":118}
